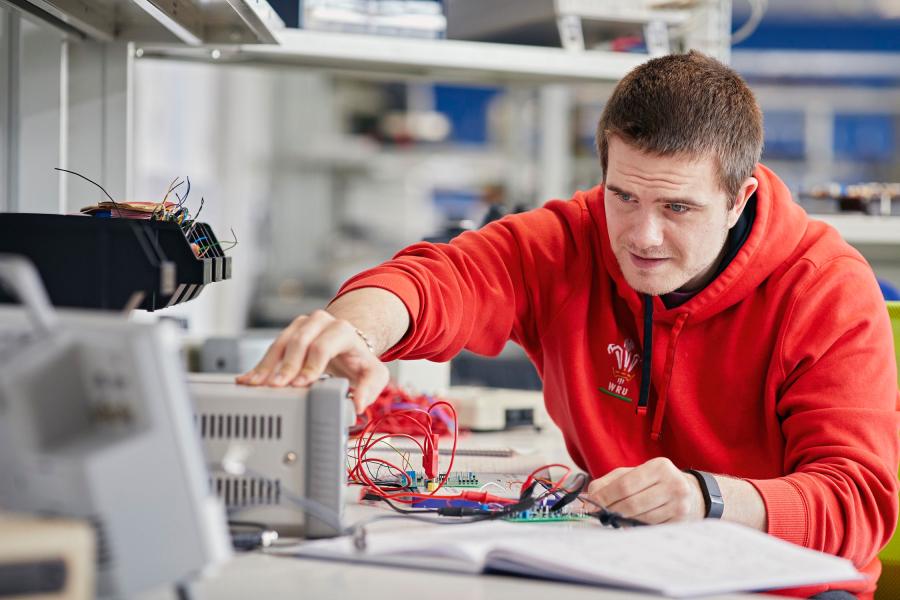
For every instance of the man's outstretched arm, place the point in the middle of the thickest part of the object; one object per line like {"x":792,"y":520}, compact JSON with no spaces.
{"x":334,"y":341}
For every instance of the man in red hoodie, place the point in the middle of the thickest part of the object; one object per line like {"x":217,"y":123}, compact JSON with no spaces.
{"x":706,"y":348}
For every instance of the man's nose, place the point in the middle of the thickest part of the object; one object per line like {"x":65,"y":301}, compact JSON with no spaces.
{"x":646,"y":232}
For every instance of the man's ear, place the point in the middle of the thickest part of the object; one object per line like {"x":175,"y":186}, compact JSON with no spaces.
{"x":740,"y":201}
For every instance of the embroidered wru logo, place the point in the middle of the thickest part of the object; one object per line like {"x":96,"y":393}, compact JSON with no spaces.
{"x":627,"y":360}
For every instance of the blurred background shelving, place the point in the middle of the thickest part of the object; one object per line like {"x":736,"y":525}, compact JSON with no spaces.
{"x":380,"y":57}
{"x":191,"y":22}
{"x":331,"y":134}
{"x":866,"y":229}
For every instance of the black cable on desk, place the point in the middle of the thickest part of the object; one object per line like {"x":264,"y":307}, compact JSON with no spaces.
{"x":250,"y":535}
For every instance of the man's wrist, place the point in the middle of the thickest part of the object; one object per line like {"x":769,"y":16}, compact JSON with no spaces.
{"x":697,"y":493}
{"x":714,"y":504}
{"x":744,"y":502}
{"x":377,"y":313}
{"x":366,"y":340}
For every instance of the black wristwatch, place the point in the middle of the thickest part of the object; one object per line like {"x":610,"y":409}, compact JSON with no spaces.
{"x":712,"y":496}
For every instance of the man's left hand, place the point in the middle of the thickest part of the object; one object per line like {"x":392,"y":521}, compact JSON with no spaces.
{"x":654,"y":492}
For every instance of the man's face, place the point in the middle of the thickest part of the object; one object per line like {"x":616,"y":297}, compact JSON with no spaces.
{"x":667,"y":217}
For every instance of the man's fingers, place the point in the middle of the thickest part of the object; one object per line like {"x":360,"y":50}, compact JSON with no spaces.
{"x":368,"y":378}
{"x":314,"y":343}
{"x":600,"y":483}
{"x":258,"y":374}
{"x":335,"y":339}
{"x":366,"y":383}
{"x":679,"y":507}
{"x":642,"y":502}
{"x":296,"y":349}
{"x":614,"y":474}
{"x":268,"y":369}
{"x":654,"y":492}
{"x":661,"y":514}
{"x":621,"y":483}
{"x":370,"y":386}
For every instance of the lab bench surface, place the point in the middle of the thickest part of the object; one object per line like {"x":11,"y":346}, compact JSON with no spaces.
{"x":266,"y":576}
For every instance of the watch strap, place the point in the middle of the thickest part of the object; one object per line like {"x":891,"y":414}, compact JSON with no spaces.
{"x":712,"y":495}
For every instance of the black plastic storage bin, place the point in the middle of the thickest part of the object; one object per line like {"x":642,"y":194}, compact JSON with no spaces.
{"x":114,"y":264}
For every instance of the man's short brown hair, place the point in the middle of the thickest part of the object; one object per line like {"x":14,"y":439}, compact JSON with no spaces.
{"x":687,"y":104}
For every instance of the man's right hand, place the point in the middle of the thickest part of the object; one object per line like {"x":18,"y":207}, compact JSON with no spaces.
{"x":321,"y":343}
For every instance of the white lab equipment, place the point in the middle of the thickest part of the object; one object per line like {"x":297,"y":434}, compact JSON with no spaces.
{"x":95,"y":424}
{"x":277,"y":455}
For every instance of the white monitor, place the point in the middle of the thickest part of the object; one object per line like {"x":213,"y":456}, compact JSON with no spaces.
{"x":96,"y":423}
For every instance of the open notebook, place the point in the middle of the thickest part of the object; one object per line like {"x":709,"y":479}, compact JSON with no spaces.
{"x":678,"y":560}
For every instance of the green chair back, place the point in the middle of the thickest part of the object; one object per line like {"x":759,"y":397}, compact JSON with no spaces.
{"x":889,"y":582}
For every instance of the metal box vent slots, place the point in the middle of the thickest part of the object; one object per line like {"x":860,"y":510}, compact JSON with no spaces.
{"x":292,"y":443}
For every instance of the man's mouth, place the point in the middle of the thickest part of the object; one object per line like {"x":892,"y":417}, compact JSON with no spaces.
{"x":642,"y":262}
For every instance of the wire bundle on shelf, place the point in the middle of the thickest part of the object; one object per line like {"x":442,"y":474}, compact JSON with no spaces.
{"x":201,"y":241}
{"x":121,"y":255}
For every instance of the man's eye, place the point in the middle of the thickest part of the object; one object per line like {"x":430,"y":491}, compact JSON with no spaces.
{"x":624,"y":197}
{"x":679,"y":208}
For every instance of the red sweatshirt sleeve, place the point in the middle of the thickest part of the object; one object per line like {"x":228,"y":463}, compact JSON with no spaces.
{"x":838,"y":409}
{"x":484,"y":287}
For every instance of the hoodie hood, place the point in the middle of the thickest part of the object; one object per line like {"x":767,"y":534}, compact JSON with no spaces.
{"x":778,"y":217}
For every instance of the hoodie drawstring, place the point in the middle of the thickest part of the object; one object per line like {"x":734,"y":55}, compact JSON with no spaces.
{"x":647,"y":358}
{"x":647,"y":363}
{"x":667,"y":377}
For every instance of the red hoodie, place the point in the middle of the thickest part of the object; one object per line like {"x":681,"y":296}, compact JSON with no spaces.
{"x":781,"y":371}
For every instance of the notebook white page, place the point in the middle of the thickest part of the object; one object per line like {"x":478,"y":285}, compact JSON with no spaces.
{"x":678,"y":560}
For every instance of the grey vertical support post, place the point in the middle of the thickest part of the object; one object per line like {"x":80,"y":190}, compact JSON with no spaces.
{"x":31,"y":114}
{"x":555,"y":162}
{"x":10,"y":53}
{"x":40,"y":117}
{"x":298,"y":232}
{"x":99,"y":137}
{"x":819,"y":139}
{"x":710,"y":30}
{"x":519,"y":147}
{"x":61,"y":204}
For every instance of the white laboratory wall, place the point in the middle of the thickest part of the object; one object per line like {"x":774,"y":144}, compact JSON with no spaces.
{"x":63,"y":103}
{"x":40,"y":118}
{"x":244,"y":136}
{"x":32,"y":127}
{"x":210,"y":125}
